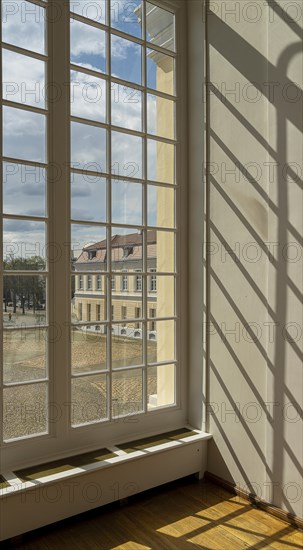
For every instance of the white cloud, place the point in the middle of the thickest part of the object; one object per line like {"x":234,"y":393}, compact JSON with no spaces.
{"x":23,"y":79}
{"x":88,"y":147}
{"x":87,"y":40}
{"x":126,"y":107}
{"x":127,"y":155}
{"x":24,"y":134}
{"x":126,"y":202}
{"x":88,"y":96}
{"x":23,"y":190}
{"x":95,"y":10}
{"x":88,"y":198}
{"x":23,"y":24}
{"x":23,"y":239}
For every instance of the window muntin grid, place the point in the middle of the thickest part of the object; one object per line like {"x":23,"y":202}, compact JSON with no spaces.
{"x":25,"y":224}
{"x":136,"y":193}
{"x":94,"y":230}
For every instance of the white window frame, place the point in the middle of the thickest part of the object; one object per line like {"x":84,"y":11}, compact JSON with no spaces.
{"x":61,"y":437}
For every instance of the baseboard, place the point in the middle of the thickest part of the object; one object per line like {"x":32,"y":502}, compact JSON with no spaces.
{"x":292,"y":519}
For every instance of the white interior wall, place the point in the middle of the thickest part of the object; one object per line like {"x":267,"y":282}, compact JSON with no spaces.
{"x":255,"y":150}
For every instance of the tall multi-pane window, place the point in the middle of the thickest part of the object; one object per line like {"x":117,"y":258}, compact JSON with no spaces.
{"x":90,"y":179}
{"x":24,"y":267}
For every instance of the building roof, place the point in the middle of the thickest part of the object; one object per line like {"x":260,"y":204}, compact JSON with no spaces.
{"x":124,"y":249}
{"x":133,"y":239}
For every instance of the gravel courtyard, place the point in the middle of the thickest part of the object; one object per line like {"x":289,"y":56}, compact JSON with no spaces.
{"x":24,"y":361}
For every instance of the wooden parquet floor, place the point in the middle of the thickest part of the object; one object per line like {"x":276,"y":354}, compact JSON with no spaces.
{"x":186,"y":515}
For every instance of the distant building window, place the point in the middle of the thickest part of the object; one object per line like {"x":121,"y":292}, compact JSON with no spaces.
{"x":138,"y":282}
{"x":152,"y":324}
{"x":124,"y":312}
{"x":113,"y":311}
{"x":99,"y":282}
{"x":98,"y":312}
{"x":80,"y":282}
{"x":92,"y":254}
{"x":137,"y":316}
{"x":89,"y":284}
{"x":89,"y":312}
{"x":113,"y":283}
{"x":124,"y":283}
{"x":80,"y":312}
{"x":153,"y":281}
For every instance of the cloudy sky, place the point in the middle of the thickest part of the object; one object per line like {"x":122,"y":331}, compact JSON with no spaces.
{"x":24,"y":134}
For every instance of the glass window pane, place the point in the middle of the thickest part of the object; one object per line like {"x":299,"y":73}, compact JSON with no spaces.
{"x":23,"y":25}
{"x":88,"y":248}
{"x":88,"y":96}
{"x":160,"y":72}
{"x":24,"y":411}
{"x":126,"y":155}
{"x":165,"y":252}
{"x":127,"y":391}
{"x":127,"y":347}
{"x":127,"y":202}
{"x":88,"y":147}
{"x":96,"y":11}
{"x":89,"y":397}
{"x":126,"y":107}
{"x":161,"y":206}
{"x":88,"y":198}
{"x":24,"y":355}
{"x":88,"y":349}
{"x":88,"y":46}
{"x":161,"y":342}
{"x":24,"y":301}
{"x":24,"y":189}
{"x":24,"y":245}
{"x":160,"y":27}
{"x":160,"y":161}
{"x":127,"y":249}
{"x":23,"y":79}
{"x":126,"y":59}
{"x":165,"y":305}
{"x":161,"y":382}
{"x":24,"y":135}
{"x":126,"y":15}
{"x":160,"y":117}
